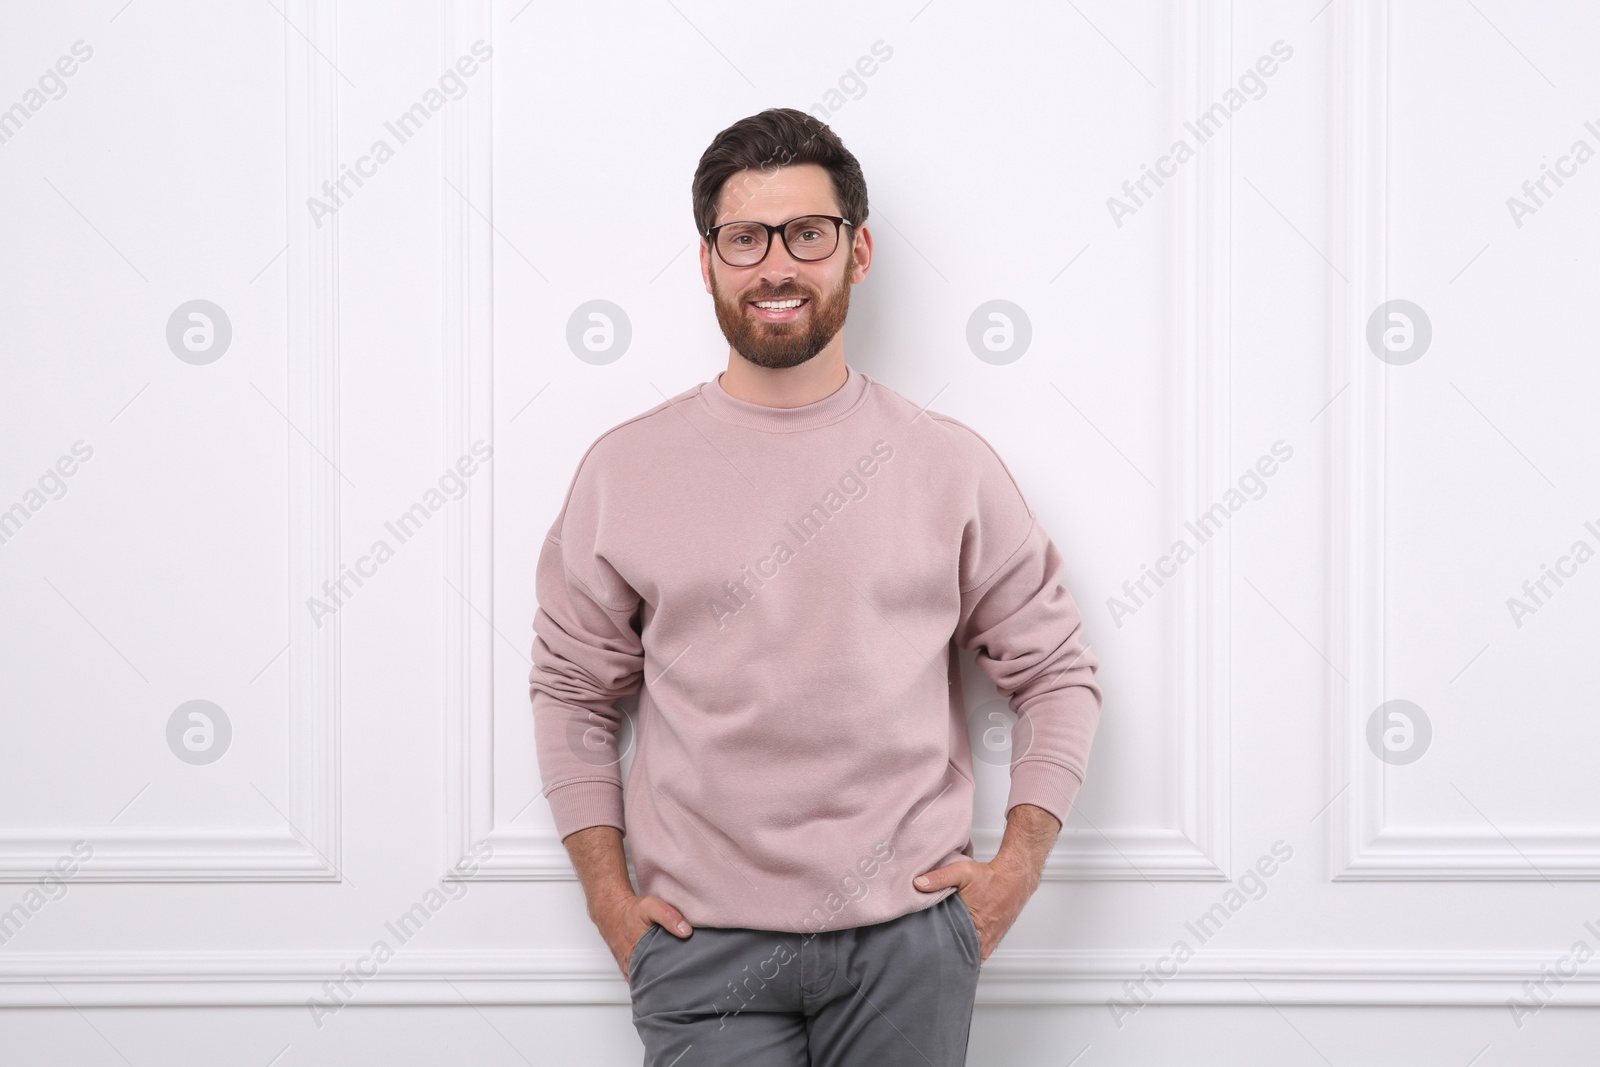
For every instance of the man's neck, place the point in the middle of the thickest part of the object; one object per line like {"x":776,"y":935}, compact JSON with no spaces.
{"x":790,"y":387}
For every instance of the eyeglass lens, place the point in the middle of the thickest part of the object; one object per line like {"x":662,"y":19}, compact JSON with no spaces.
{"x":809,"y":238}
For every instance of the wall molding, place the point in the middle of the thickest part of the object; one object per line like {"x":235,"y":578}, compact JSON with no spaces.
{"x":467,"y":196}
{"x":1364,"y":845}
{"x":1324,"y":978}
{"x":308,"y":849}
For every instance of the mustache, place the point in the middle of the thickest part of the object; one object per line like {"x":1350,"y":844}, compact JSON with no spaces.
{"x":781,"y":295}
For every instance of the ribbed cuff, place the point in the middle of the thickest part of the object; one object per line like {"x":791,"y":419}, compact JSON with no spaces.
{"x":580,"y":805}
{"x":1047,"y":785}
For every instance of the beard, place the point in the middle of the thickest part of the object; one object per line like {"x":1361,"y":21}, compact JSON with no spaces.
{"x":776,"y":345}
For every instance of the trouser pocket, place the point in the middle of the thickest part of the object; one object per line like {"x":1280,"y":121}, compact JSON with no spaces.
{"x":638,"y":949}
{"x":969,"y":926}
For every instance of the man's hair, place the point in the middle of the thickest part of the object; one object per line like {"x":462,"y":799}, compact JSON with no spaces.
{"x":777,"y":137}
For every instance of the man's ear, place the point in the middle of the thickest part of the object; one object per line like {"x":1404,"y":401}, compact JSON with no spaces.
{"x":863,"y":254}
{"x":705,"y":264}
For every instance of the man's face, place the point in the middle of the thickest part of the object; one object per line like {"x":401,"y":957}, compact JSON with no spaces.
{"x":778,"y":339}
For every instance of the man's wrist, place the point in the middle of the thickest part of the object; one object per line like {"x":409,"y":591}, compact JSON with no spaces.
{"x":609,"y":901}
{"x":1021,"y":867}
{"x":1030,"y":834}
{"x":601,"y":862}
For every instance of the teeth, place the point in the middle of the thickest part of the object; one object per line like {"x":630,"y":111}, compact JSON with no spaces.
{"x":778,"y":305}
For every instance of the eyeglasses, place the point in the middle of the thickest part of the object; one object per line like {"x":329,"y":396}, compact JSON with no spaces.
{"x":807,"y":237}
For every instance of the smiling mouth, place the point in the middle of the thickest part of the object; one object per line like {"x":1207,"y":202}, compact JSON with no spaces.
{"x":779,"y":310}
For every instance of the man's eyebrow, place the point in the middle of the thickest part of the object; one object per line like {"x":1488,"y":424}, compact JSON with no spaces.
{"x":791,"y":218}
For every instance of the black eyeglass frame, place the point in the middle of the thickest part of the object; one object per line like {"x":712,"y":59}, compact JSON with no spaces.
{"x":837,"y":220}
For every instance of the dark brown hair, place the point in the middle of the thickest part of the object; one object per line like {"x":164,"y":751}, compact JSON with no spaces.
{"x":777,"y":137}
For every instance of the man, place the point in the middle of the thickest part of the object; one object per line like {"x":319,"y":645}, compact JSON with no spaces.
{"x":784,"y":563}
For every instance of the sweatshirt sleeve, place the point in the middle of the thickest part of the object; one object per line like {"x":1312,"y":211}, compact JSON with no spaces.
{"x":1030,"y":640}
{"x":586,"y":655}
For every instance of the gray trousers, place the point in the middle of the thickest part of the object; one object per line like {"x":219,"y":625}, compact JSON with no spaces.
{"x":891,"y":993}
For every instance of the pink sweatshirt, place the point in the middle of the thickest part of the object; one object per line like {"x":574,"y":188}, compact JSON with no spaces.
{"x":784,"y":588}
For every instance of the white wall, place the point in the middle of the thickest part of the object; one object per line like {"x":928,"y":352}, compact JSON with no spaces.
{"x":380,"y":343}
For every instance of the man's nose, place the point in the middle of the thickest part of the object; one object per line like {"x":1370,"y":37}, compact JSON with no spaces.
{"x":778,"y":267}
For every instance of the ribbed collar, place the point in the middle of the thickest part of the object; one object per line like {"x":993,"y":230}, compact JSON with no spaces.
{"x":840,"y":403}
